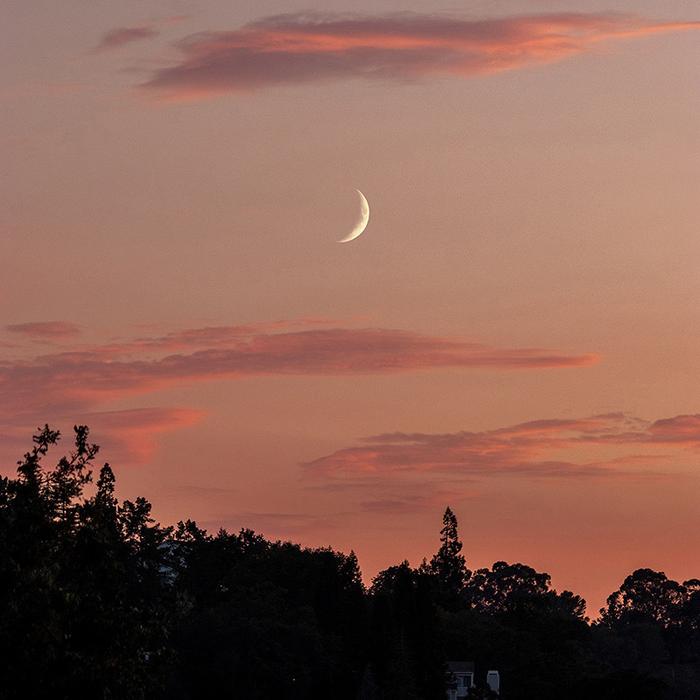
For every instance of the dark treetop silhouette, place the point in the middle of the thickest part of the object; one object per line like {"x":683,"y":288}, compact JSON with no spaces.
{"x":99,"y":601}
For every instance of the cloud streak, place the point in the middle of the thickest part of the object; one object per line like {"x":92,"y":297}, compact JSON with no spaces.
{"x":128,"y":436}
{"x":121,"y":36}
{"x":401,"y":471}
{"x":45,"y":330}
{"x":81,"y":381}
{"x":314,"y":47}
{"x":95,"y":374}
{"x":131,"y":435}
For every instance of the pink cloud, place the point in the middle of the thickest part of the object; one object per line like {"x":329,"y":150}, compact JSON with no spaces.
{"x":211,"y":336}
{"x":83,"y":377}
{"x":681,"y":429}
{"x":391,"y":462}
{"x":132,"y":435}
{"x":78,"y":383}
{"x":120,"y":36}
{"x":45,"y":330}
{"x":129,"y":436}
{"x":312,"y":47}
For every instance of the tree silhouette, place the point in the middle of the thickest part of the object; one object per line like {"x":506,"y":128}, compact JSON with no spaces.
{"x":645,"y":596}
{"x":407,"y":645}
{"x":448,"y":565}
{"x":84,"y":609}
{"x":518,"y":588}
{"x":99,"y":601}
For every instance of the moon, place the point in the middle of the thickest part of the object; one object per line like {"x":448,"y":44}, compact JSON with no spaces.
{"x":362,"y":222}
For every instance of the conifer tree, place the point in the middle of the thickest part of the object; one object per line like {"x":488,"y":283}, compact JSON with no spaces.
{"x":448,"y":565}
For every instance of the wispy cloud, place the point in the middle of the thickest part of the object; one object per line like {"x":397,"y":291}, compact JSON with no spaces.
{"x":128,"y":436}
{"x":120,"y":36}
{"x":313,"y":47}
{"x":400,"y":471}
{"x":45,"y":330}
{"x":87,"y":375}
{"x":82,"y":380}
{"x":131,"y":435}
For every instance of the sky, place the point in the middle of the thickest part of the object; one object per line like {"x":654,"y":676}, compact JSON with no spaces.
{"x":515,"y":334}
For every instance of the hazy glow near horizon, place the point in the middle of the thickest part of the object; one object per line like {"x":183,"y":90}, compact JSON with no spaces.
{"x":517,"y":336}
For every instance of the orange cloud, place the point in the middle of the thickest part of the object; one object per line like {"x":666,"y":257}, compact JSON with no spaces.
{"x":128,"y":436}
{"x":312,"y":47}
{"x":679,"y":430}
{"x":131,"y":435}
{"x":403,"y":470}
{"x":86,"y":376}
{"x":79,"y":382}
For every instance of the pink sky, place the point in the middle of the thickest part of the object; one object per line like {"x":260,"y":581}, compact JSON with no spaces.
{"x":516,"y":333}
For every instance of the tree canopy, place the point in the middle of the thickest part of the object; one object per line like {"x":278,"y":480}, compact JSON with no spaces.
{"x":97,"y":600}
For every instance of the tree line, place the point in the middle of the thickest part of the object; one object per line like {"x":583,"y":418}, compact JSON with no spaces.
{"x":97,"y":600}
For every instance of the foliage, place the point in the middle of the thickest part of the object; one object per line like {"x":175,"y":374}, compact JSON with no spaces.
{"x":406,"y":648}
{"x":99,"y":601}
{"x":84,"y":608}
{"x":448,"y":566}
{"x":266,"y":618}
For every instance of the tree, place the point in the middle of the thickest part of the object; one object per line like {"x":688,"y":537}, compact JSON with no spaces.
{"x":84,"y":609}
{"x":448,"y":565}
{"x":407,"y":646}
{"x":645,"y":596}
{"x":691,"y":608}
{"x":266,"y":619}
{"x":513,"y":621}
{"x":511,"y":588}
{"x":99,"y":601}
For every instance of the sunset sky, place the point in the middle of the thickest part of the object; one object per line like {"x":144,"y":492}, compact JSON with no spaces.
{"x":516,"y":334}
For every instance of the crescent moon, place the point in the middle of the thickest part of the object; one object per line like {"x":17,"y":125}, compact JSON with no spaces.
{"x":362,"y":222}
